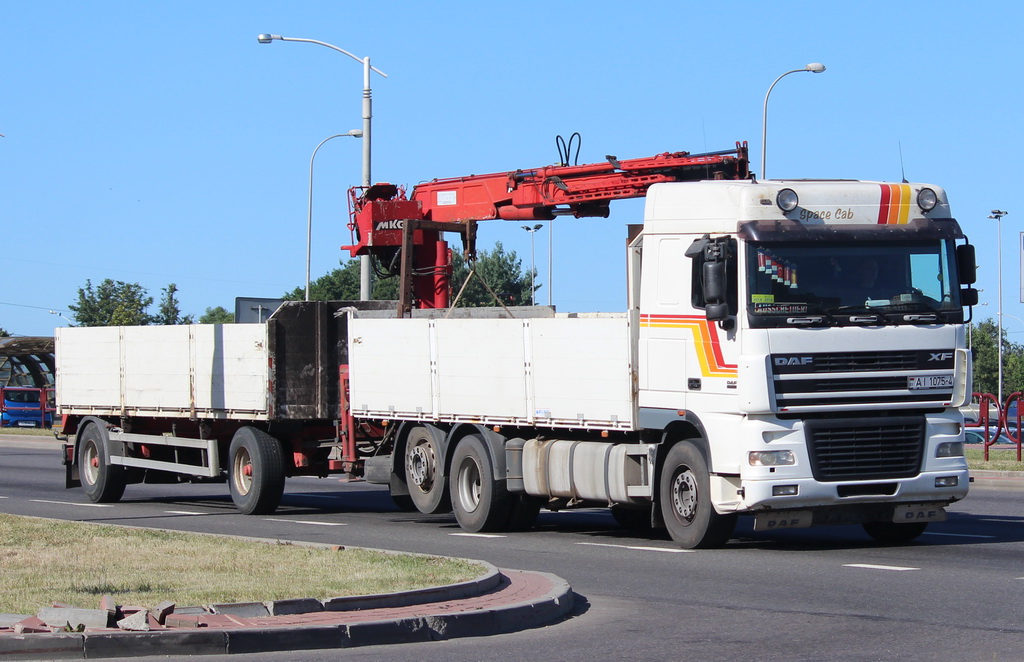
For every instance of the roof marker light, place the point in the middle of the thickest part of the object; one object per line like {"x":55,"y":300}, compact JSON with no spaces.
{"x":926,"y":199}
{"x":787,"y":199}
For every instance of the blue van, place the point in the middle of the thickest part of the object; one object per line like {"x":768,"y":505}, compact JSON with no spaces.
{"x":23,"y":409}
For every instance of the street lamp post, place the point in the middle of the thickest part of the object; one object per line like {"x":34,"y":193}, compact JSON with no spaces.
{"x":998,"y":216}
{"x":814,"y":68}
{"x":354,"y":133}
{"x":364,"y":261}
{"x":54,"y":312}
{"x":533,"y":268}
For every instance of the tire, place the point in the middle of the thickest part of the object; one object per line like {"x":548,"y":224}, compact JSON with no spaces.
{"x":424,"y":472}
{"x":102,"y":482}
{"x":523,"y":513}
{"x":685,"y":496}
{"x":480,"y":502}
{"x":255,"y":471}
{"x":893,"y":533}
{"x":632,"y":519}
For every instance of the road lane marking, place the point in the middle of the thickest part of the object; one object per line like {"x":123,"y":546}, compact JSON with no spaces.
{"x":477,"y":535}
{"x":71,"y":503}
{"x":956,"y":535}
{"x":183,"y":512}
{"x":303,"y":521}
{"x":871,"y":566}
{"x":639,"y":548}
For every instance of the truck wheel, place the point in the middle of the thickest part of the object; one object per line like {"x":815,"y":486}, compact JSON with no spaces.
{"x":685,"y":495}
{"x":481,"y":503}
{"x":891,"y":532}
{"x":102,"y":482}
{"x":256,"y":473}
{"x":424,"y":472}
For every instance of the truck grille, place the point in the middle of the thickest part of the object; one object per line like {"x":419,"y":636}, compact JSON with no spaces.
{"x":865,"y":448}
{"x":859,"y":378}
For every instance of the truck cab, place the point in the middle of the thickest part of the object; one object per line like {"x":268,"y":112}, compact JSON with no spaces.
{"x":808,"y":336}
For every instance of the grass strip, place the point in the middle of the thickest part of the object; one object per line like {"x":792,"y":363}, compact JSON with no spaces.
{"x":43,"y":561}
{"x":999,"y":459}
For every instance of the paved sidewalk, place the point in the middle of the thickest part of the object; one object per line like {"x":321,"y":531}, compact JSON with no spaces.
{"x":501,"y":601}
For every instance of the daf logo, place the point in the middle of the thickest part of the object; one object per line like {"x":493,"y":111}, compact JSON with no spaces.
{"x":794,"y":360}
{"x":940,"y":356}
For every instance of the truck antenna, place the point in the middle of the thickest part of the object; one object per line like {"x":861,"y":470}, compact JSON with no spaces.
{"x":903,"y":173}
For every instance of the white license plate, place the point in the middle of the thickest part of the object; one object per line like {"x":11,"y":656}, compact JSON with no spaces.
{"x":929,"y":382}
{"x":26,"y":424}
{"x":918,"y":513}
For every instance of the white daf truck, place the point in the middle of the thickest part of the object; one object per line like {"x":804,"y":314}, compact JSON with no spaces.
{"x":792,"y":351}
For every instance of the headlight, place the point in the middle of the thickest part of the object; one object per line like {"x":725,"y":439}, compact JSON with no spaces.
{"x":771,"y":458}
{"x":787,"y":199}
{"x":926,"y":199}
{"x":950,"y":449}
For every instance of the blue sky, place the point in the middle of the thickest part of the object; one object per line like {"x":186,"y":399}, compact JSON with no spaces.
{"x":159,"y":142}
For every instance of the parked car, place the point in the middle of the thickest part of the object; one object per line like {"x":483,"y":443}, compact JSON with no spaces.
{"x":977,"y":435}
{"x":22,"y":409}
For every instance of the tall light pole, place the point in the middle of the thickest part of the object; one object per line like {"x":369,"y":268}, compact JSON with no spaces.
{"x":354,"y":133}
{"x":533,"y":269}
{"x":998,"y":216}
{"x":814,"y":68}
{"x":364,"y":261}
{"x":54,"y":312}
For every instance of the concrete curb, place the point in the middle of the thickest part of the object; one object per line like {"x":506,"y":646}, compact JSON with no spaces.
{"x":499,"y":602}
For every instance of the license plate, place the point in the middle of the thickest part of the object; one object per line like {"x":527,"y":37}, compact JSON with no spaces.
{"x":26,"y":424}
{"x":929,"y":382}
{"x":918,"y":513}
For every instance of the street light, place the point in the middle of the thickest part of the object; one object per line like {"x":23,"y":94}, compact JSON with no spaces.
{"x":533,"y":269}
{"x":54,"y":312}
{"x":364,"y":261}
{"x":998,"y":216}
{"x":814,"y":68}
{"x":354,"y":133}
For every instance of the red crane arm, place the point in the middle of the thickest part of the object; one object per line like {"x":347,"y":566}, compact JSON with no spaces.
{"x":382,"y":217}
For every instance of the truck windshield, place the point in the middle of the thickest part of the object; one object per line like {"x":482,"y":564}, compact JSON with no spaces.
{"x":853,"y":282}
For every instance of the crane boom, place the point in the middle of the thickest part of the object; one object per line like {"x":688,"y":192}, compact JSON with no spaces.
{"x":404,"y":233}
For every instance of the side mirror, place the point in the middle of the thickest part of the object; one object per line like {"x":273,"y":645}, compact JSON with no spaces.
{"x":968,"y":297}
{"x":715,"y":283}
{"x":966,"y":265}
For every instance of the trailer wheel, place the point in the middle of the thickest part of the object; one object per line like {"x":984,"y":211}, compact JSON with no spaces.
{"x":424,"y":472}
{"x":481,"y":503}
{"x":102,"y":482}
{"x":256,"y":471}
{"x":893,"y":533}
{"x":685,"y":497}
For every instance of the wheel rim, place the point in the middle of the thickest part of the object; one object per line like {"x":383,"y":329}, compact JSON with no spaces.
{"x":684,"y":496}
{"x":420,"y":463}
{"x":241,"y":473}
{"x":470,"y":486}
{"x":90,"y":462}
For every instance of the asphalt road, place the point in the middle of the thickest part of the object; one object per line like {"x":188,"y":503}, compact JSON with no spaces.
{"x":811,"y":594}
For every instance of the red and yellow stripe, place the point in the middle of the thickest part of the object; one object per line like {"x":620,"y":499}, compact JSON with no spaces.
{"x":705,"y":341}
{"x":894,"y":208}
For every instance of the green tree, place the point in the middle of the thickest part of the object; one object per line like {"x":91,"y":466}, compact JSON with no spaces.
{"x":986,"y":360}
{"x":4,"y":334}
{"x":170,"y":309}
{"x":217,"y":315}
{"x":112,"y":303}
{"x":502,"y":271}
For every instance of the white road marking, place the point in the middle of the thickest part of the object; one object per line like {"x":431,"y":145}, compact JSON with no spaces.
{"x":70,"y":503}
{"x":871,"y":566}
{"x":183,"y":512}
{"x":477,"y":535}
{"x":302,"y":521}
{"x":956,"y":535}
{"x":639,"y":548}
{"x":3,"y":497}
